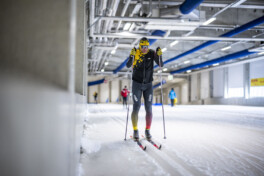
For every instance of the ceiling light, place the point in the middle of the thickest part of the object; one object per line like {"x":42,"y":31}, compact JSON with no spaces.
{"x":215,"y":64}
{"x":164,"y":49}
{"x":186,"y":62}
{"x":209,"y":21}
{"x":174,"y":43}
{"x":170,"y":77}
{"x":165,"y":69}
{"x":226,"y":48}
{"x":113,"y":52}
{"x":126,"y":34}
{"x":260,"y":53}
{"x":127,"y":26}
{"x":106,"y":63}
{"x":189,"y":71}
{"x":159,"y":71}
{"x":102,"y":70}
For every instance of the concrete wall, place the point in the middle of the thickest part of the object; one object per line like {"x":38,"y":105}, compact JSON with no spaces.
{"x":205,"y":85}
{"x":43,"y":85}
{"x":114,"y":91}
{"x":184,"y":93}
{"x":230,"y":85}
{"x":37,"y":34}
{"x":91,"y":90}
{"x":123,"y":83}
{"x":104,"y":93}
{"x":218,"y":83}
{"x":194,"y":87}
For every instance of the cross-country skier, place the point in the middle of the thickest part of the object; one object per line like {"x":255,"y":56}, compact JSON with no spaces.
{"x":172,"y":96}
{"x":142,"y":82}
{"x":124,"y":94}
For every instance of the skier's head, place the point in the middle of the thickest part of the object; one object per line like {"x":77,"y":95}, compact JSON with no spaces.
{"x":172,"y":89}
{"x":143,"y":45}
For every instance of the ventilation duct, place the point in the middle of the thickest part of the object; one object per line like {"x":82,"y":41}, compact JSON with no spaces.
{"x":183,"y":9}
{"x":92,"y":83}
{"x":215,"y":61}
{"x":231,"y":33}
{"x":159,"y":84}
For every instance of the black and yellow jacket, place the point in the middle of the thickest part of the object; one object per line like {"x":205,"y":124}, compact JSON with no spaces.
{"x":143,"y":66}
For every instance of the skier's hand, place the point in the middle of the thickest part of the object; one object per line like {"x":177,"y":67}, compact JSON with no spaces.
{"x":158,"y":51}
{"x":133,"y":51}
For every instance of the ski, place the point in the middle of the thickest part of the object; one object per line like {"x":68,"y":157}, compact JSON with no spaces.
{"x":153,"y":143}
{"x":139,"y":144}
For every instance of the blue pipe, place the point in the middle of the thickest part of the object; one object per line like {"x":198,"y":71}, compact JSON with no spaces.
{"x":215,"y":61}
{"x":189,"y":5}
{"x":92,"y":83}
{"x":156,"y":33}
{"x":157,"y":85}
{"x":151,"y":41}
{"x":235,"y":31}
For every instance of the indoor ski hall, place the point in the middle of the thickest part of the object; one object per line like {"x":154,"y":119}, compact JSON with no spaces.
{"x":132,"y":88}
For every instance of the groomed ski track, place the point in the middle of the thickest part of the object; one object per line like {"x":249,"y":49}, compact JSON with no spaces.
{"x":201,"y":140}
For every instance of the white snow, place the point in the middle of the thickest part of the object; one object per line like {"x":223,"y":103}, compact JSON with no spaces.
{"x":201,"y":140}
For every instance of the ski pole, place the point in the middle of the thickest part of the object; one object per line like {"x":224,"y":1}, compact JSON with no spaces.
{"x":128,"y":96}
{"x":162,"y":98}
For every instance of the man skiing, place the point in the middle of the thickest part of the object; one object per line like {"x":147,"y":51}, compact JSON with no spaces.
{"x":172,"y":96}
{"x":124,"y":94}
{"x":142,"y":82}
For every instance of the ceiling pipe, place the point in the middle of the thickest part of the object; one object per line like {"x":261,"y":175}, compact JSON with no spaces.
{"x":91,"y":17}
{"x":123,"y":14}
{"x":151,"y":41}
{"x":231,"y":33}
{"x":248,"y":60}
{"x":140,"y":19}
{"x":189,"y":5}
{"x":92,"y":83}
{"x":185,"y":8}
{"x":216,"y":61}
{"x":115,"y":7}
{"x":159,"y":84}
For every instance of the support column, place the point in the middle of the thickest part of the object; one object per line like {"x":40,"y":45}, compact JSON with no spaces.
{"x":189,"y":88}
{"x":211,"y":83}
{"x":199,"y":86}
{"x":246,"y":80}
{"x":226,"y":82}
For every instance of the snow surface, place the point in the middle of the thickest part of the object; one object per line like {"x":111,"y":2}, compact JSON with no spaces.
{"x":201,"y":140}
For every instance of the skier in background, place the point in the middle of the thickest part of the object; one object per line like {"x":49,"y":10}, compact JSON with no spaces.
{"x":142,"y":82}
{"x":124,"y":94}
{"x":172,"y":96}
{"x":95,"y":97}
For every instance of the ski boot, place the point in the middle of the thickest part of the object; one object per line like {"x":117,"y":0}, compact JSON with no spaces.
{"x":148,"y":135}
{"x":136,"y":135}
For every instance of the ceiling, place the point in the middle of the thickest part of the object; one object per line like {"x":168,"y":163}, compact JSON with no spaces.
{"x":115,"y":27}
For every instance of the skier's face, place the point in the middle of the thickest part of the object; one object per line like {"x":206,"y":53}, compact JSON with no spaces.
{"x":144,"y":48}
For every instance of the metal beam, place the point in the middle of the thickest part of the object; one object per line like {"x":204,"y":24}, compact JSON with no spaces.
{"x":205,"y":4}
{"x":198,"y":38}
{"x":255,"y":59}
{"x":141,"y":19}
